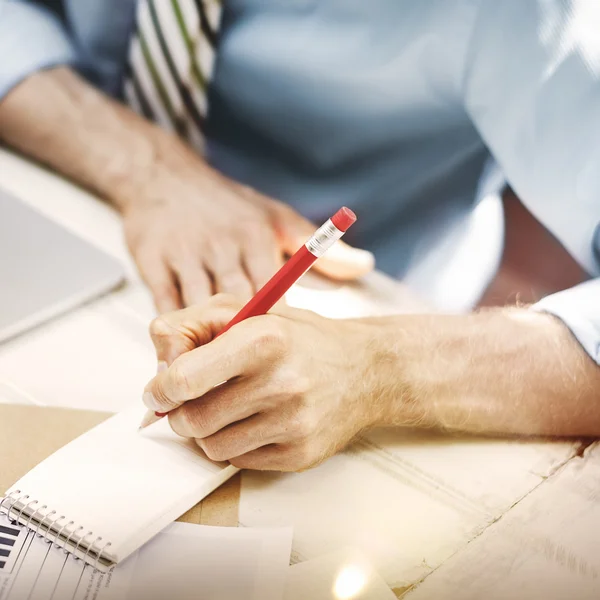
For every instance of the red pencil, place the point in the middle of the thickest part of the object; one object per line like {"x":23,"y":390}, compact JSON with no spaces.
{"x":329,"y":233}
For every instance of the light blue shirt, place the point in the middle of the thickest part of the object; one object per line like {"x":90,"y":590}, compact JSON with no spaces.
{"x":395,"y":108}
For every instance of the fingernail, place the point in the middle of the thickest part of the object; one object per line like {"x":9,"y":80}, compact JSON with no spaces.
{"x":162,"y":366}
{"x":150,"y":401}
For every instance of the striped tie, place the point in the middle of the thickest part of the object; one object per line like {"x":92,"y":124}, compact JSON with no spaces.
{"x":171,"y":60}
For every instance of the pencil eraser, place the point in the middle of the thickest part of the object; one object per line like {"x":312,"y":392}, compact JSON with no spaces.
{"x":343,"y":218}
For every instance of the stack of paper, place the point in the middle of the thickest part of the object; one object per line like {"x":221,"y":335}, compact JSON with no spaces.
{"x":183,"y":562}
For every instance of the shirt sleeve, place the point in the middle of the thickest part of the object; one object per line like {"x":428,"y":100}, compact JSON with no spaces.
{"x":579,"y":309}
{"x":532,"y":89}
{"x":31,"y":38}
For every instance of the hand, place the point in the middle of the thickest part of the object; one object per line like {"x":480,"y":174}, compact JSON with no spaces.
{"x":192,"y":232}
{"x":197,"y":233}
{"x":298,"y":386}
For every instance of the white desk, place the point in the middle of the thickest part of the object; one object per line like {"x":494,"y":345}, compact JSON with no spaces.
{"x":411,"y":501}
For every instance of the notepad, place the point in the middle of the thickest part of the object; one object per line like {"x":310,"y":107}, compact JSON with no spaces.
{"x":109,"y":491}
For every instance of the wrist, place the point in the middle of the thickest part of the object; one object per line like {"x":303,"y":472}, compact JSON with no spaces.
{"x":449,"y":369}
{"x":151,"y":172}
{"x":147,"y":164}
{"x":395,"y":357}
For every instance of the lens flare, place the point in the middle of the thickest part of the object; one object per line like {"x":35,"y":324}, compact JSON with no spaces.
{"x":349,"y":583}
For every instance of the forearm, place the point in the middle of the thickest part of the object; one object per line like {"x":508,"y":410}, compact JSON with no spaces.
{"x":504,"y":371}
{"x":60,"y":120}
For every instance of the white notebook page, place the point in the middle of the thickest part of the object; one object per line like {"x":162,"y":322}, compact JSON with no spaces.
{"x":121,"y":484}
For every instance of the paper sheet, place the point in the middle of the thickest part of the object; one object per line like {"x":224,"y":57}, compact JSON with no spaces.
{"x":546,"y":548}
{"x":183,"y":562}
{"x":408,"y":501}
{"x":107,"y":354}
{"x":11,"y":394}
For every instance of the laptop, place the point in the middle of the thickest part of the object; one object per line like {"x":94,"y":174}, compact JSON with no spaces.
{"x":45,"y":270}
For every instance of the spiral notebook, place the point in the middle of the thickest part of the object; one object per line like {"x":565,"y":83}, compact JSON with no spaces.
{"x":109,"y":491}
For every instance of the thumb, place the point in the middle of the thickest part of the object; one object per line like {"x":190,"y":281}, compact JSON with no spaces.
{"x":176,"y":333}
{"x":341,"y":262}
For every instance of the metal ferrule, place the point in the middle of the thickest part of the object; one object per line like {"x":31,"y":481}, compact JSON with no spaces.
{"x":325,"y":237}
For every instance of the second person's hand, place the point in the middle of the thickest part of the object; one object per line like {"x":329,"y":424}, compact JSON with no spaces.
{"x":194,"y":233}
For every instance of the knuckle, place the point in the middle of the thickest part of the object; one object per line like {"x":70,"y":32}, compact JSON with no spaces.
{"x":294,"y":383}
{"x":179,"y":379}
{"x":302,"y":384}
{"x":302,"y":422}
{"x":261,"y":435}
{"x":241,"y":462}
{"x":214,"y":449}
{"x":197,"y":284}
{"x":303,"y":427}
{"x":221,"y":256}
{"x":225,"y":300}
{"x":159,"y":328}
{"x":197,"y":421}
{"x":298,"y":457}
{"x":302,"y":457}
{"x":233,"y":280}
{"x":161,"y":398}
{"x":271,"y":338}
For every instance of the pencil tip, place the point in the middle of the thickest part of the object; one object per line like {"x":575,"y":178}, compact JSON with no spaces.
{"x":149,"y":418}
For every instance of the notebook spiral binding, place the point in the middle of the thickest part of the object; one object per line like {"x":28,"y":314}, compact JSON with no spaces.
{"x":20,"y":509}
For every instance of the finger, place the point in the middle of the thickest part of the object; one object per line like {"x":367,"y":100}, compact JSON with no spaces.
{"x":253,"y":345}
{"x":261,"y":268}
{"x":175,"y":333}
{"x":168,"y":341}
{"x":234,"y":282}
{"x":277,"y":457}
{"x":262,"y":258}
{"x":161,"y":281}
{"x":341,"y":262}
{"x":242,"y":437}
{"x":292,"y":229}
{"x":195,"y":284}
{"x":345,"y":263}
{"x":229,"y":275}
{"x":226,"y":404}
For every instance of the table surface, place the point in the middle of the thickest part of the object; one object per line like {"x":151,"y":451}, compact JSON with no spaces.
{"x":438,"y":516}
